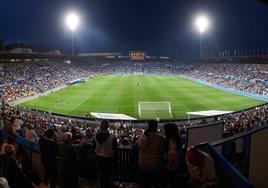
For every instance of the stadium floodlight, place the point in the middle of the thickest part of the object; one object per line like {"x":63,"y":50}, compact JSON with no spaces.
{"x":202,"y":24}
{"x":72,"y":22}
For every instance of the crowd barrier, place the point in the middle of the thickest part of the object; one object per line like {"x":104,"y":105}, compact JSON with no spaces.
{"x":251,"y":172}
{"x":125,"y":168}
{"x":241,"y":160}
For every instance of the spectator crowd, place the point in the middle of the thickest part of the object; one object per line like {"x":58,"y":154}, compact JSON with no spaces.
{"x":160,"y":149}
{"x":252,"y":78}
{"x":62,"y":137}
{"x":22,"y":79}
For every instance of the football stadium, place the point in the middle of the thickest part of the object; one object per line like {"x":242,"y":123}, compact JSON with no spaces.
{"x":145,"y":96}
{"x":117,"y":95}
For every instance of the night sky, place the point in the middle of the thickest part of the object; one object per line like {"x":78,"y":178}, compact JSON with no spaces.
{"x":160,"y":27}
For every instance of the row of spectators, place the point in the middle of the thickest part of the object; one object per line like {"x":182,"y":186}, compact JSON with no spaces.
{"x":252,"y":78}
{"x":159,"y":158}
{"x":24,"y":79}
{"x":28,"y":78}
{"x":66,"y":135}
{"x":245,"y":121}
{"x":21,"y":79}
{"x":48,"y":127}
{"x":31,"y":124}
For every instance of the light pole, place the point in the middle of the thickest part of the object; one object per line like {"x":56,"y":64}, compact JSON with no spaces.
{"x":72,"y":22}
{"x":201,"y":45}
{"x":202,"y":24}
{"x":72,"y":43}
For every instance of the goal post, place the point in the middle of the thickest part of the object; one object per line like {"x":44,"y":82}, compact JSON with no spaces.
{"x":151,"y":110}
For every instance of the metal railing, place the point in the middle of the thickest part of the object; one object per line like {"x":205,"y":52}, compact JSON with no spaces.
{"x":124,"y":169}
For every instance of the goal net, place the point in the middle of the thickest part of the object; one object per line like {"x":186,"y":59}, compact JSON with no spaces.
{"x":155,"y":110}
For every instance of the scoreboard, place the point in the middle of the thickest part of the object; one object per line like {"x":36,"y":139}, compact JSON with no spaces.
{"x":137,"y":55}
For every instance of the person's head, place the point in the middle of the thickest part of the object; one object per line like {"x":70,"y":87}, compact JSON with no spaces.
{"x":50,"y":133}
{"x":193,"y":156}
{"x":104,"y":125}
{"x":67,"y":137}
{"x":171,"y":131}
{"x":152,"y":126}
{"x":30,"y":126}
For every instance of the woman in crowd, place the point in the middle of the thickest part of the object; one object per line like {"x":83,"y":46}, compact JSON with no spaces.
{"x":173,"y":144}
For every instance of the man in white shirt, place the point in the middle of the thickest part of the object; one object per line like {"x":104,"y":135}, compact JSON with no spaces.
{"x":30,"y":134}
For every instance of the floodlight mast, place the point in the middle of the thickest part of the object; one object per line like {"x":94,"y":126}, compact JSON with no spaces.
{"x":72,"y":22}
{"x":202,"y":24}
{"x":72,"y":43}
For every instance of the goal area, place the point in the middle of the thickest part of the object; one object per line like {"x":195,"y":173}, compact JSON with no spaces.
{"x":155,"y":110}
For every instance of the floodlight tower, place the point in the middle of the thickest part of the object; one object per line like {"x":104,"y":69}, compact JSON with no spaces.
{"x":72,"y":22}
{"x":202,"y":24}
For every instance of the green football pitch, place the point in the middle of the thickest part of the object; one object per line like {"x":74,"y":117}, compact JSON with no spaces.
{"x":122,"y":93}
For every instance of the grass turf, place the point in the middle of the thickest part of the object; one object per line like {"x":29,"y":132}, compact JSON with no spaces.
{"x":121,"y":94}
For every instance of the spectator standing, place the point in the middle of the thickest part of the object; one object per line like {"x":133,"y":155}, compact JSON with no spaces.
{"x":30,"y":134}
{"x":151,"y":148}
{"x":106,"y":151}
{"x":173,"y":144}
{"x":50,"y":159}
{"x":17,"y":123}
{"x":68,"y":165}
{"x":9,"y":128}
{"x":10,"y":169}
{"x":42,"y":144}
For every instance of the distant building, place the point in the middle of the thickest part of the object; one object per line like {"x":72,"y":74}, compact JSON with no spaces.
{"x":21,"y":50}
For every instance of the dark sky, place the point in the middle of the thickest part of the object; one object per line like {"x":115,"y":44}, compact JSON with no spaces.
{"x":160,"y":27}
